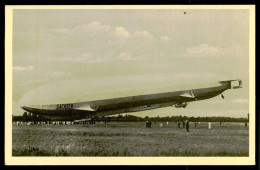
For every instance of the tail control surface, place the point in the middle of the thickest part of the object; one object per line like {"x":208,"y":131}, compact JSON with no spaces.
{"x":234,"y":84}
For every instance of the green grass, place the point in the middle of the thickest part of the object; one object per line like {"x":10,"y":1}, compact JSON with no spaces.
{"x":130,"y":139}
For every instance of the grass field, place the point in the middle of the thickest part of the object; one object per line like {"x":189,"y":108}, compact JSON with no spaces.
{"x":130,"y":139}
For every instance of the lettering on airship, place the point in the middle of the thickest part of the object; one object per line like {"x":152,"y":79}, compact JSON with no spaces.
{"x":64,"y":106}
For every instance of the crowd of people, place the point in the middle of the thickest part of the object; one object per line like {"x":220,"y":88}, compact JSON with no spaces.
{"x":185,"y":124}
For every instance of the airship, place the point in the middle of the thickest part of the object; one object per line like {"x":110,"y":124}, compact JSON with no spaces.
{"x":108,"y":96}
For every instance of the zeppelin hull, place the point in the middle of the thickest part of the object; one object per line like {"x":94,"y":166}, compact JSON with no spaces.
{"x":127,"y":104}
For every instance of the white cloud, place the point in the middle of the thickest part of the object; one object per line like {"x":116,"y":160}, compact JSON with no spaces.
{"x":165,"y":39}
{"x":202,"y":50}
{"x":92,"y":27}
{"x":105,"y":31}
{"x":121,"y":33}
{"x":205,"y":50}
{"x":83,"y":58}
{"x":127,"y":57}
{"x":22,"y":68}
{"x":143,"y":34}
{"x":240,"y":101}
{"x":124,"y":56}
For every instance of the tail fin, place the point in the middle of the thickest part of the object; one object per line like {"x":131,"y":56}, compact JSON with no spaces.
{"x":233,"y":84}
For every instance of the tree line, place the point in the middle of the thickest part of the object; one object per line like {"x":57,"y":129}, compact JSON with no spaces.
{"x":27,"y":117}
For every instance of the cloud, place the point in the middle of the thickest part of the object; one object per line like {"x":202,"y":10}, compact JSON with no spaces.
{"x":205,"y":50}
{"x":91,"y":27}
{"x":143,"y":34}
{"x":240,"y":101}
{"x":94,"y":26}
{"x":127,"y":57}
{"x":105,"y":31}
{"x":124,"y":56}
{"x":121,"y":33}
{"x":22,"y":68}
{"x":83,"y":58}
{"x":202,"y":50}
{"x":165,"y":39}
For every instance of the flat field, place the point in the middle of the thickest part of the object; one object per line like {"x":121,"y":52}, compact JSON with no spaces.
{"x":130,"y":139}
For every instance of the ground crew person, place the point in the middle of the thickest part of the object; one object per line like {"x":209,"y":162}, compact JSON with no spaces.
{"x":146,"y":124}
{"x":179,"y":125}
{"x":149,"y":124}
{"x":187,"y":125}
{"x":183,"y":124}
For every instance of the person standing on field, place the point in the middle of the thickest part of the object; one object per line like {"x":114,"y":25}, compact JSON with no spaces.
{"x":179,"y":125}
{"x":146,"y":124}
{"x":187,"y":125}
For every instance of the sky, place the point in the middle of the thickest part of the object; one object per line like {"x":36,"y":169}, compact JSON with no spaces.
{"x":65,"y":48}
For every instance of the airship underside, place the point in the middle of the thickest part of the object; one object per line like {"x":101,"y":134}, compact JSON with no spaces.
{"x":127,"y":104}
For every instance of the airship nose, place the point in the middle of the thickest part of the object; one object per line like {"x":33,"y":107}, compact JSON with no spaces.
{"x":26,"y":108}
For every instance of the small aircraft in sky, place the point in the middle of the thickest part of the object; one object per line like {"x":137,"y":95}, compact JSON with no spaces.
{"x":111,"y":106}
